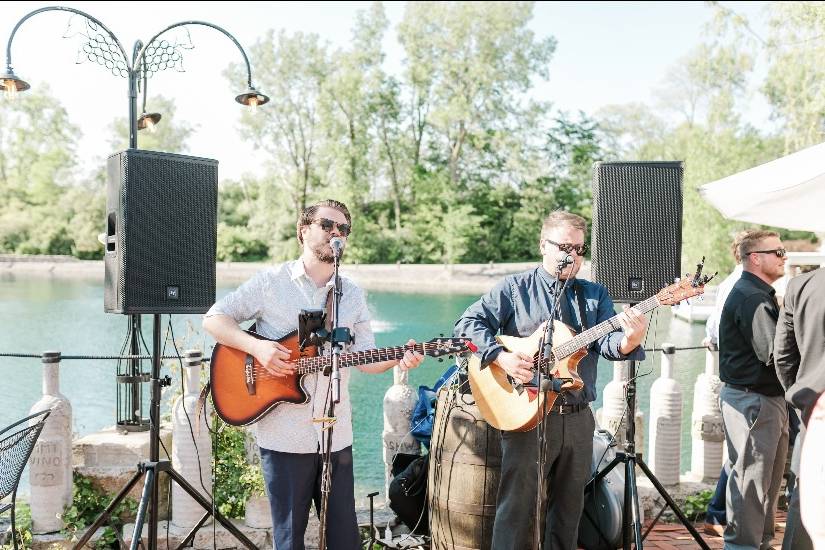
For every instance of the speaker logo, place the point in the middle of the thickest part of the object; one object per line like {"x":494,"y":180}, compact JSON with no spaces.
{"x":635,"y":284}
{"x":172,"y":293}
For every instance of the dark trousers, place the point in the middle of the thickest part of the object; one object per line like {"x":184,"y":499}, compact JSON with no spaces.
{"x":796,"y":537}
{"x":716,"y":507}
{"x":569,"y":450}
{"x":292,"y":481}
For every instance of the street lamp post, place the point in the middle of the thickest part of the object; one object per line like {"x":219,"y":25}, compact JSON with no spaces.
{"x":106,"y":49}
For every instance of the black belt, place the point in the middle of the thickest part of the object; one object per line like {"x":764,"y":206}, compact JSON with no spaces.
{"x":562,"y":408}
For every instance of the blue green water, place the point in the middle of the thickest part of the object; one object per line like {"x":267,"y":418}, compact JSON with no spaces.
{"x":67,"y":315}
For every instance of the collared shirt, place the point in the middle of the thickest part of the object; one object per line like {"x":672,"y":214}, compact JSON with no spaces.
{"x":273,"y":298}
{"x":722,"y":292}
{"x":521,"y":302}
{"x":746,"y":332}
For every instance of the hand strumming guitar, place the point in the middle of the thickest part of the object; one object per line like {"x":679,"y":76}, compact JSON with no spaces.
{"x":274,"y":358}
{"x":517,"y":364}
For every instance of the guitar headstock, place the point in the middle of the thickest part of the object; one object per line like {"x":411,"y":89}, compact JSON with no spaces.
{"x":439,"y":347}
{"x":691,"y":285}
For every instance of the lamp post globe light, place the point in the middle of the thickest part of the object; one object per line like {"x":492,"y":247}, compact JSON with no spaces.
{"x":101,"y":46}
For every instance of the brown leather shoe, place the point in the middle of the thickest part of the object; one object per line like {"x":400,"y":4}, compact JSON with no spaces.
{"x":714,"y":529}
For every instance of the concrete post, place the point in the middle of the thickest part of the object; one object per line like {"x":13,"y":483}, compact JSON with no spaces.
{"x":191,"y":444}
{"x":399,"y":403}
{"x":666,"y":421}
{"x":50,"y":464}
{"x":610,"y":417}
{"x":707,"y":432}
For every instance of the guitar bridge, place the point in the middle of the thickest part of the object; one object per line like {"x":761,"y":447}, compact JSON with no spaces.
{"x":249,"y":374}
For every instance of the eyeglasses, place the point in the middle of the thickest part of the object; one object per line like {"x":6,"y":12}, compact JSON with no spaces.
{"x":327,"y":225}
{"x":780,"y":252}
{"x":568,"y":248}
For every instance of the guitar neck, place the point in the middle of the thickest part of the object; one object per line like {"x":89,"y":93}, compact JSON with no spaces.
{"x":308,"y":365}
{"x":602,"y":329}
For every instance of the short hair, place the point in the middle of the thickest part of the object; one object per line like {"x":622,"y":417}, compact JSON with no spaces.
{"x":308,"y":214}
{"x":750,"y":240}
{"x":558,"y":218}
{"x":737,"y":240}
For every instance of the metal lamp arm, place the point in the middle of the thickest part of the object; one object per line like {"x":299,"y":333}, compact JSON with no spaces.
{"x":140,"y":57}
{"x":71,"y":10}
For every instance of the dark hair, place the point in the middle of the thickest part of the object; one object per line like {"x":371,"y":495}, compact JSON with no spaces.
{"x":308,"y":214}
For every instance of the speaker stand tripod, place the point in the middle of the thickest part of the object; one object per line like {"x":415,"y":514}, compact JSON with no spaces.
{"x":152,"y":469}
{"x":631,"y":494}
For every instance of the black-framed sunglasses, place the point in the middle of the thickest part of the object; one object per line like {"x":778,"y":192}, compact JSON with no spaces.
{"x":780,"y":252}
{"x":580,"y":249}
{"x":327,"y":225}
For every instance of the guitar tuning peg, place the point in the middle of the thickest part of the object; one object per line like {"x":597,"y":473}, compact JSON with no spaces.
{"x":441,"y":334}
{"x":463,"y":334}
{"x":440,"y":359}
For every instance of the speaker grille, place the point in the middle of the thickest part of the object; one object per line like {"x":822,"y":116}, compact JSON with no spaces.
{"x":637,"y":227}
{"x":165,"y":209}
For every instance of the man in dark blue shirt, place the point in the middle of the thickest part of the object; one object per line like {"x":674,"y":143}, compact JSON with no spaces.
{"x":517,"y":306}
{"x":753,"y":404}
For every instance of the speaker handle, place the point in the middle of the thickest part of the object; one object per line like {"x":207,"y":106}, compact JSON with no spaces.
{"x":111,"y":229}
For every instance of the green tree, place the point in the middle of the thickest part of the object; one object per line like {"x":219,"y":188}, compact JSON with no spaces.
{"x":470,"y":64}
{"x":293,"y":69}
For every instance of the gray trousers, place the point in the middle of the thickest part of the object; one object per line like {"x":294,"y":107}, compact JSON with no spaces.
{"x":796,"y":537}
{"x":567,"y":468}
{"x":756,"y":434}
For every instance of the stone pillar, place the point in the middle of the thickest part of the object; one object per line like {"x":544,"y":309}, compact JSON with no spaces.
{"x":707,"y":431}
{"x":666,"y":421}
{"x":610,"y":416}
{"x":50,"y":464}
{"x":191,"y":445}
{"x":399,"y":402}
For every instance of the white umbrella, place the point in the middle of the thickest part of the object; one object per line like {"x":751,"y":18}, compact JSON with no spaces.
{"x":787,"y":192}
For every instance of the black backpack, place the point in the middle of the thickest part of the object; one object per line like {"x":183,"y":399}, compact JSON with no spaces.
{"x":408,"y":496}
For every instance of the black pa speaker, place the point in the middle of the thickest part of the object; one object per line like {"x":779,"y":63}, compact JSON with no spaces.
{"x":637,"y":227}
{"x":161,"y":233}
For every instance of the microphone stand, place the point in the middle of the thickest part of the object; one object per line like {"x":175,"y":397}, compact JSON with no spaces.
{"x":338,"y":337}
{"x":545,"y":386}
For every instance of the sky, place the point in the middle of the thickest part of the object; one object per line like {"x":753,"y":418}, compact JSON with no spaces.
{"x":607,"y":53}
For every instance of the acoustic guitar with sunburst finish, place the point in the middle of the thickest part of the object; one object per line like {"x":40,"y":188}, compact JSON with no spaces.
{"x":508,"y":406}
{"x":243,"y":391}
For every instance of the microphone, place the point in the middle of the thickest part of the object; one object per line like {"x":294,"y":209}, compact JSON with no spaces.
{"x":337,"y":244}
{"x":564,"y":262}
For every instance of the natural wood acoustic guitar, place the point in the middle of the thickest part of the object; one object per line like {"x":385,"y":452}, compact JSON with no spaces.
{"x":508,"y":406}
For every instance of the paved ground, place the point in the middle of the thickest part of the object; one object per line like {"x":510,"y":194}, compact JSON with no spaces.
{"x":669,"y":536}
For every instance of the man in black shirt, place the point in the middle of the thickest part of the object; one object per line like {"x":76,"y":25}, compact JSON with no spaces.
{"x":753,"y":405}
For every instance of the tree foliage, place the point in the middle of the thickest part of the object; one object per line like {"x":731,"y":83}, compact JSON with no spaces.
{"x":450,"y":159}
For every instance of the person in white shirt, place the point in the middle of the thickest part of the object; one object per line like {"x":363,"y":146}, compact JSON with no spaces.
{"x":291,"y":442}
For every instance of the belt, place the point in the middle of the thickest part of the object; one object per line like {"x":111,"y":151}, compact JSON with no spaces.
{"x":740,"y":387}
{"x":561,"y":408}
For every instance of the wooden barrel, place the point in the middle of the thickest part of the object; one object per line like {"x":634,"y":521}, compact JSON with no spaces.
{"x":463,"y":476}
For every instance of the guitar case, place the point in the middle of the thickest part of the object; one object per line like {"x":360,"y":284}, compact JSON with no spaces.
{"x":600,"y":527}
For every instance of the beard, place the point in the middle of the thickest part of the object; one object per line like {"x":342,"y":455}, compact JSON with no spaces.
{"x":323,"y":252}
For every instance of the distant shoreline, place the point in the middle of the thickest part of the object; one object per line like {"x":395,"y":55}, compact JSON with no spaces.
{"x":410,"y":278}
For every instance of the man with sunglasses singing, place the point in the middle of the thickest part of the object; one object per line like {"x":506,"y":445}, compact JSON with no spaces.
{"x":753,"y":404}
{"x":517,"y":306}
{"x":289,"y":437}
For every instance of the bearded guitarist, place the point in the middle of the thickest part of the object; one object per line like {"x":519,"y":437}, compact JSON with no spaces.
{"x":517,"y":306}
{"x":289,"y":437}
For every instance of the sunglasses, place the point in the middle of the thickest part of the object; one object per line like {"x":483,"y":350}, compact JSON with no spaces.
{"x":568,"y":248}
{"x":780,"y":252}
{"x":327,"y":225}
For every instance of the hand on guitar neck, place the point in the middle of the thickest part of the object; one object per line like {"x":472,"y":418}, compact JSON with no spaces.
{"x":634,"y":325}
